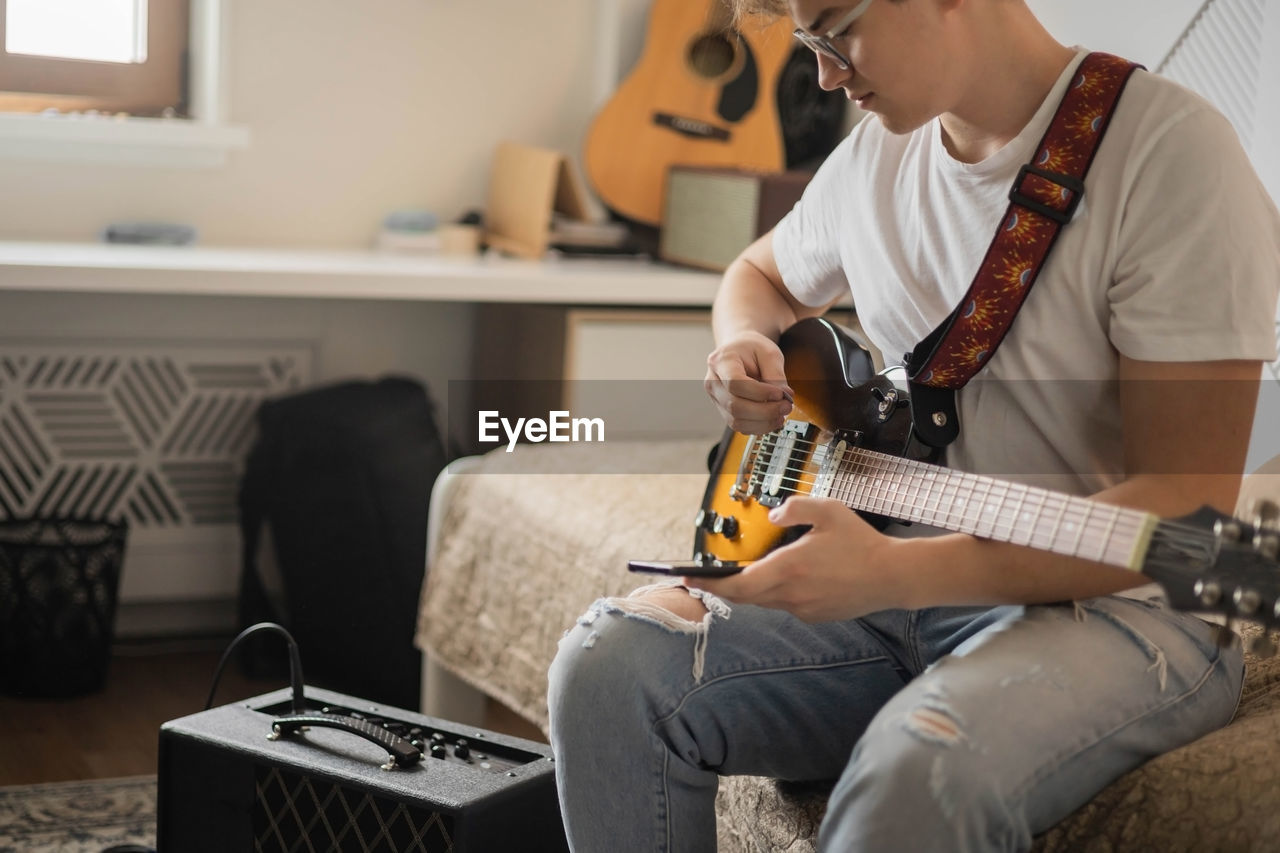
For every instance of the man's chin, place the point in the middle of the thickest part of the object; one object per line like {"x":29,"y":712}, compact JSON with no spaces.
{"x":896,"y":124}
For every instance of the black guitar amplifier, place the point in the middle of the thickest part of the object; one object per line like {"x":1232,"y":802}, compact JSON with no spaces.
{"x":228,"y":783}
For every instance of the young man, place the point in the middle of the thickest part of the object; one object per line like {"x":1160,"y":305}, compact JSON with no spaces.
{"x":947,"y":683}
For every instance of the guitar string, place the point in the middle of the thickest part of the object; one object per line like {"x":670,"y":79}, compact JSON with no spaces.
{"x":919,"y":498}
{"x":1131,"y":519}
{"x":872,"y":460}
{"x":1115,"y":521}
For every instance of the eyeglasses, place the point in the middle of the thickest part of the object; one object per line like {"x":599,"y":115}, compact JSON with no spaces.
{"x":822,"y":43}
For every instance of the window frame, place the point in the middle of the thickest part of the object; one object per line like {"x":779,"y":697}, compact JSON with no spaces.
{"x":33,"y":83}
{"x":203,"y":140}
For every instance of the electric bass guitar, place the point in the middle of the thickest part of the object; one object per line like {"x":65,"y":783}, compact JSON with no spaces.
{"x":702,"y":94}
{"x":850,"y":437}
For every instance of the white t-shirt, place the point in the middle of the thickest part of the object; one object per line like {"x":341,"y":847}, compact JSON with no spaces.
{"x":1173,"y":255}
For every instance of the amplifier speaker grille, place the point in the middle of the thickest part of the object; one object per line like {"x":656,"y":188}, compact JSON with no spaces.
{"x":711,"y":214}
{"x":293,"y":812}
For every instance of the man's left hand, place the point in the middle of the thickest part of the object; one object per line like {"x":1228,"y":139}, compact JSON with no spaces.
{"x":842,"y":568}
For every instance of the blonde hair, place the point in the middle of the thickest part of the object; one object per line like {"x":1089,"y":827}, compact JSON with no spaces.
{"x":767,"y":9}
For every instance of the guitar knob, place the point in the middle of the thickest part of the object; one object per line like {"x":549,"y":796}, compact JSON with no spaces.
{"x":1208,"y":592}
{"x":1246,"y":601}
{"x":726,"y":526}
{"x":1262,"y":646}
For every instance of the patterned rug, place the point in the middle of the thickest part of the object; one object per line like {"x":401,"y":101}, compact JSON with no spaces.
{"x":78,"y":817}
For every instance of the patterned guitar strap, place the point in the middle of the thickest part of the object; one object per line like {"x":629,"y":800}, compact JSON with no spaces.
{"x":1043,"y":199}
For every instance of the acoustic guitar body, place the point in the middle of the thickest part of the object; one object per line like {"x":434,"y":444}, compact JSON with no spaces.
{"x":702,"y":94}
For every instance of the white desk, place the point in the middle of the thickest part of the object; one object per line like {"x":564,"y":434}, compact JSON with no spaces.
{"x":98,"y":268}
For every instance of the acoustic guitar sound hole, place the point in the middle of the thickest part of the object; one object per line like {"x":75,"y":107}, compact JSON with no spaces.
{"x":712,"y":55}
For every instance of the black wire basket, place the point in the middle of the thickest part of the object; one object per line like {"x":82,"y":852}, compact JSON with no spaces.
{"x":59,"y":581}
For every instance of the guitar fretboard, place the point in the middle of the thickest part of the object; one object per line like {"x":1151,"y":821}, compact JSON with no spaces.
{"x":991,"y":509}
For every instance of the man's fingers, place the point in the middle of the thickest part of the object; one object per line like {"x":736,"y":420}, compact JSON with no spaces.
{"x":805,"y":510}
{"x":771,"y":369}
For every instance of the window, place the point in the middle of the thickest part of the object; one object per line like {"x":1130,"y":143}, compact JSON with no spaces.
{"x":107,"y":55}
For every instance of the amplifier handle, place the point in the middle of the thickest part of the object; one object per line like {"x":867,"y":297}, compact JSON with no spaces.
{"x":401,"y":753}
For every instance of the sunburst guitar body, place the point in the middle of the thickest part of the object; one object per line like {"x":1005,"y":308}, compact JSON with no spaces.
{"x":702,"y":94}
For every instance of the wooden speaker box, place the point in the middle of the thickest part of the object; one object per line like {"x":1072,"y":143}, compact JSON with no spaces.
{"x":711,"y":214}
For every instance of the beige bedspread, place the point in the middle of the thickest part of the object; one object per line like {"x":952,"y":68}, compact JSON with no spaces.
{"x":531,"y":538}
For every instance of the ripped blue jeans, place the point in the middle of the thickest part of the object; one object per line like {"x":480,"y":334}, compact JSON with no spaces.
{"x":948,"y":729}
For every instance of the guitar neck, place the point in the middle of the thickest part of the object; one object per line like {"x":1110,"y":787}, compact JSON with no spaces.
{"x":988,"y":508}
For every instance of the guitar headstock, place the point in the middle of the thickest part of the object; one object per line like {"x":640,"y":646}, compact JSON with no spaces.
{"x":1209,"y":562}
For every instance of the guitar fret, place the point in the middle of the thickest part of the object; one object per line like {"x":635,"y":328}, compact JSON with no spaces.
{"x":907,"y":493}
{"x":855,"y":481}
{"x":932,"y":492}
{"x":1017,"y":510}
{"x":1035,"y":522}
{"x":882,"y":489}
{"x":851,"y":482}
{"x":1075,"y":546}
{"x":867,"y":485}
{"x":902,"y":490}
{"x":970,"y":504}
{"x":942,"y":492}
{"x":1106,"y":535}
{"x":998,"y":511}
{"x":1057,"y":526}
{"x":985,"y":508}
{"x":919,"y":494}
{"x":890,"y":488}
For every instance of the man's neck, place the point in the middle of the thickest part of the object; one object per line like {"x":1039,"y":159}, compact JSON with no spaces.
{"x":1013,"y":73}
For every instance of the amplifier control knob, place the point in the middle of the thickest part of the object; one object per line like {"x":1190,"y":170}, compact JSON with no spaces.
{"x":461,"y":749}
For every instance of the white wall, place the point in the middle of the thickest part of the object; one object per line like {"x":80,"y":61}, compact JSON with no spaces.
{"x":1145,"y":31}
{"x":1140,"y":30}
{"x":354,"y":109}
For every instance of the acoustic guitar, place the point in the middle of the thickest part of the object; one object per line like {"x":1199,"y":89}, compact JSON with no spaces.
{"x":850,"y":437}
{"x":702,"y":94}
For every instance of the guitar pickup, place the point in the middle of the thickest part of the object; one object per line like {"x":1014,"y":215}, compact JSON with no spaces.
{"x":781,"y":456}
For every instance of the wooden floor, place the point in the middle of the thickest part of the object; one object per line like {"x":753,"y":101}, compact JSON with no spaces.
{"x":114,"y":732}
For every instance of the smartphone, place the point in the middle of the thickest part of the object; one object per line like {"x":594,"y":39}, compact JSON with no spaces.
{"x":689,"y":568}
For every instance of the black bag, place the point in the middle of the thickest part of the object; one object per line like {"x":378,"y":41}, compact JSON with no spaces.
{"x":340,"y":478}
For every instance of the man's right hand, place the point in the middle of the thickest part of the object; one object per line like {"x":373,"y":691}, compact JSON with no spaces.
{"x":745,"y":378}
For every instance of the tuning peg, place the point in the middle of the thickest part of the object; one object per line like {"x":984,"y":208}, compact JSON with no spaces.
{"x":1228,"y":530}
{"x":1265,"y":515}
{"x":1267,"y":544}
{"x":1262,"y":646}
{"x":1209,"y":593}
{"x":1247,"y":601}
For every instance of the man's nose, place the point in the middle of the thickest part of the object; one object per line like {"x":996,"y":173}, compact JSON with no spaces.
{"x":830,"y":74}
